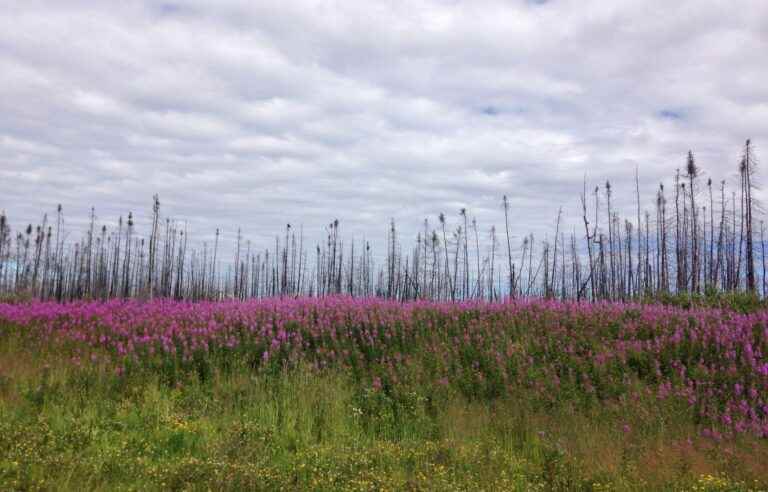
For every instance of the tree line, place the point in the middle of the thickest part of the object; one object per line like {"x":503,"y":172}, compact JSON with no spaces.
{"x":697,"y":237}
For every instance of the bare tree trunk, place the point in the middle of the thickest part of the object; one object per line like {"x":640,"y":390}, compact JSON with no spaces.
{"x":509,"y":248}
{"x":639,"y":232}
{"x":447,"y":267}
{"x":692,"y":174}
{"x":554,"y":255}
{"x":762,"y":254}
{"x":589,"y":239}
{"x":750,"y":258}
{"x":612,"y":273}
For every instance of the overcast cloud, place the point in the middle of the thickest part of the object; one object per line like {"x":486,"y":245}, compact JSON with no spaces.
{"x":254,"y":114}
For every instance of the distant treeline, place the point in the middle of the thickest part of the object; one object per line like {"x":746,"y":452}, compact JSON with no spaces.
{"x":698,"y":238}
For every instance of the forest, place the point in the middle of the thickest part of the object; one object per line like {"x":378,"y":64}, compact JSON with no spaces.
{"x":698,"y":237}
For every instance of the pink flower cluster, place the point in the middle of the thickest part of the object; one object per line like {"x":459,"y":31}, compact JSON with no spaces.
{"x":713,"y":360}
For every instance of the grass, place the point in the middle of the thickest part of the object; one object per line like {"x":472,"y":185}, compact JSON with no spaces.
{"x":69,"y":428}
{"x":739,"y":302}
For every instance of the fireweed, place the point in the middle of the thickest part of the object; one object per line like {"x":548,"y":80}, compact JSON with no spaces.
{"x":714,"y":361}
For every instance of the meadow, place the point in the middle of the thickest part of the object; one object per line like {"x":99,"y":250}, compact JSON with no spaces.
{"x":370,"y":394}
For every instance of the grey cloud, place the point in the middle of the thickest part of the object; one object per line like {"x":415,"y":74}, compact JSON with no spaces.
{"x":255,"y":114}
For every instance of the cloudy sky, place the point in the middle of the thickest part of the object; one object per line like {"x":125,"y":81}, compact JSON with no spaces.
{"x":258,"y":113}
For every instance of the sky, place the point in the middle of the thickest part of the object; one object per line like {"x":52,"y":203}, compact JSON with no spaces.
{"x":253,"y":114}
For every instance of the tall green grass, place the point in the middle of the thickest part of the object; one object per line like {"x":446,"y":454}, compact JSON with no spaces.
{"x":64,"y":428}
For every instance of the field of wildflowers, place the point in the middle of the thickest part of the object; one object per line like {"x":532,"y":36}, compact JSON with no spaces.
{"x":366,"y":394}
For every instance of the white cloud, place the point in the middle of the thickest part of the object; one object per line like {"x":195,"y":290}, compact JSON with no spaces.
{"x":254,"y":114}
